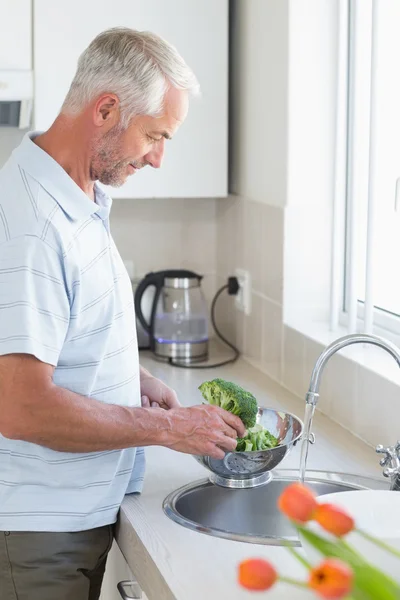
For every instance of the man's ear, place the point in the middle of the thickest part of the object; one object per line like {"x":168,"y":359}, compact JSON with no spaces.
{"x":106,"y":110}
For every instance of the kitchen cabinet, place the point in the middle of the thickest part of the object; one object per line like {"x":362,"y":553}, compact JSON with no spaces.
{"x":15,"y":34}
{"x":116,"y":570}
{"x":195,"y":163}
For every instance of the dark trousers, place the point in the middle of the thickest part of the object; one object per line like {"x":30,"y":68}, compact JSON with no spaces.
{"x":53,"y":566}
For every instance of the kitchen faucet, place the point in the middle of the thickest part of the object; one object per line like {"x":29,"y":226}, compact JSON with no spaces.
{"x":391,"y":459}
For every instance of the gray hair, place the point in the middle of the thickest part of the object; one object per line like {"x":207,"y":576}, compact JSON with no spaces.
{"x":137,"y":66}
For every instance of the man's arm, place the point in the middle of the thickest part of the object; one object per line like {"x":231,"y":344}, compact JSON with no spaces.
{"x":34,"y":409}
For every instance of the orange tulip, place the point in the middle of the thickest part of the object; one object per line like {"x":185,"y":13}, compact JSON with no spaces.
{"x":334,"y":519}
{"x":257,"y":574}
{"x":298,"y":503}
{"x":331,"y":579}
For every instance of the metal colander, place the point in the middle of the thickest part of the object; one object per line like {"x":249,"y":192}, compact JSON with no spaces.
{"x":249,"y":469}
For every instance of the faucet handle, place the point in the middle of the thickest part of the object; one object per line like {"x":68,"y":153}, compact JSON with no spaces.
{"x":391,"y":459}
{"x":397,"y":449}
{"x":389,"y":455}
{"x":391,"y":472}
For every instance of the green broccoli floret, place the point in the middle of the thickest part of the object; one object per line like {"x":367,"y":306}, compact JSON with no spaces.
{"x":238,"y":401}
{"x":256,"y":438}
{"x":232,"y":398}
{"x":261,"y":439}
{"x":243,"y":445}
{"x":269,"y":440}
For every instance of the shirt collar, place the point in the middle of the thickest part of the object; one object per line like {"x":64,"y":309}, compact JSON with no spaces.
{"x":56,"y":181}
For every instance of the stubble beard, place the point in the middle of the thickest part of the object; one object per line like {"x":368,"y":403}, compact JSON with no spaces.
{"x":107,"y":165}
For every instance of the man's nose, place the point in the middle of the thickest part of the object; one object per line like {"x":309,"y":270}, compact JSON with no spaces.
{"x":155,"y":157}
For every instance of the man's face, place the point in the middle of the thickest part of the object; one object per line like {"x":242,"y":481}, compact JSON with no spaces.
{"x":121,"y":152}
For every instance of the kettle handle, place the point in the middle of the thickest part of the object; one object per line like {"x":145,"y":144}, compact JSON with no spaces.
{"x":150,"y":279}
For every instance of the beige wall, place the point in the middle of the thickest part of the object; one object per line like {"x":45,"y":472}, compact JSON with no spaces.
{"x":250,"y":236}
{"x":168,"y":233}
{"x":251,"y":221}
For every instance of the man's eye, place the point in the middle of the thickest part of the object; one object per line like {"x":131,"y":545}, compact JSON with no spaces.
{"x":153,"y":139}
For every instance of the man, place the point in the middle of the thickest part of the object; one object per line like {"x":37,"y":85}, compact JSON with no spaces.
{"x":71,"y":421}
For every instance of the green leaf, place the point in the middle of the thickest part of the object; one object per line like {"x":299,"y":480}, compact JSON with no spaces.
{"x":335,"y":549}
{"x":369,"y":583}
{"x":378,"y":542}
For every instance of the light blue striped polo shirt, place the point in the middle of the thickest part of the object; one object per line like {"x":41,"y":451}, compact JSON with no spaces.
{"x":66,"y":298}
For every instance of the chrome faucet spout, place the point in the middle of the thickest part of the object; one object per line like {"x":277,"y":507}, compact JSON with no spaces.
{"x":391,"y":459}
{"x":357,"y":338}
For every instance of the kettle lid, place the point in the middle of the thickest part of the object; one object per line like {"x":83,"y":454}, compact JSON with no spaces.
{"x":180,"y":278}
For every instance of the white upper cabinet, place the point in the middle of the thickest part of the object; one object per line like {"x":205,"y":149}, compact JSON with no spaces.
{"x":195,"y":162}
{"x":15,"y":34}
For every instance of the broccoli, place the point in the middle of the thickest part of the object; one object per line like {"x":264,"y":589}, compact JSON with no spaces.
{"x":238,"y":401}
{"x":232,"y":398}
{"x":256,"y":438}
{"x":244,"y":445}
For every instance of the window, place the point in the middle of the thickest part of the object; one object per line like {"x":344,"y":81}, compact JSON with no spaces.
{"x":372,"y":245}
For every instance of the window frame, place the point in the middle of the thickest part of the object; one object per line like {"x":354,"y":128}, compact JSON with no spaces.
{"x":385,"y":323}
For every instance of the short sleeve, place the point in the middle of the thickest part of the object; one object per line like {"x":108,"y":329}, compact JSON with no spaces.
{"x":34,"y":300}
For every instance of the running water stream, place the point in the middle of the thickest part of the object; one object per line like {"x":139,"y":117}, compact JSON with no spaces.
{"x":305,"y":443}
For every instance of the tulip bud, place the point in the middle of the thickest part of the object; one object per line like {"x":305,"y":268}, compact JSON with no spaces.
{"x":257,"y":574}
{"x":298,"y":503}
{"x":334,"y":519}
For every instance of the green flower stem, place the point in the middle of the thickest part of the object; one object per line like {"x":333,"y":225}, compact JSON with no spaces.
{"x":295,"y":582}
{"x":298,"y":556}
{"x":378,"y":542}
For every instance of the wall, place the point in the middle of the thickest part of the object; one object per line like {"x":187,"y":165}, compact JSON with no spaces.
{"x":250,"y":236}
{"x":250,"y":223}
{"x":168,"y":233}
{"x":259,"y":95}
{"x":10,"y":137}
{"x":277,"y":223}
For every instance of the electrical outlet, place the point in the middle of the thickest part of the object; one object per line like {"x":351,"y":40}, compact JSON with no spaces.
{"x":243,"y":297}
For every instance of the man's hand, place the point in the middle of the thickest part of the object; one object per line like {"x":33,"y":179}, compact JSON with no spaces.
{"x":205,"y":430}
{"x":155,"y":393}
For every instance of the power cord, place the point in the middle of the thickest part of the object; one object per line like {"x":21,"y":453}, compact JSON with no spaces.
{"x":233,"y":287}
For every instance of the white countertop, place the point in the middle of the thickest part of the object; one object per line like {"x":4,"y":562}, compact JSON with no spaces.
{"x":172,"y":562}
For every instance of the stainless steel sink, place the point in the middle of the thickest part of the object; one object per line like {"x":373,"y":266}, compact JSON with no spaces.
{"x":251,"y":515}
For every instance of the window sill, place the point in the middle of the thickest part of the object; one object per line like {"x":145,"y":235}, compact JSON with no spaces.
{"x":367,"y":356}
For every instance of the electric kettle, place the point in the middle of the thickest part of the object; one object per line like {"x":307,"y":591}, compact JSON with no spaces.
{"x":178,"y":325}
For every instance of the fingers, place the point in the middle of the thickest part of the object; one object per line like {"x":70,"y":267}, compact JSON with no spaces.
{"x":224,"y":444}
{"x":216,"y":453}
{"x":230,"y":432}
{"x":227,"y":443}
{"x":172,"y":400}
{"x":145,"y":402}
{"x":204,"y":430}
{"x":234,"y":422}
